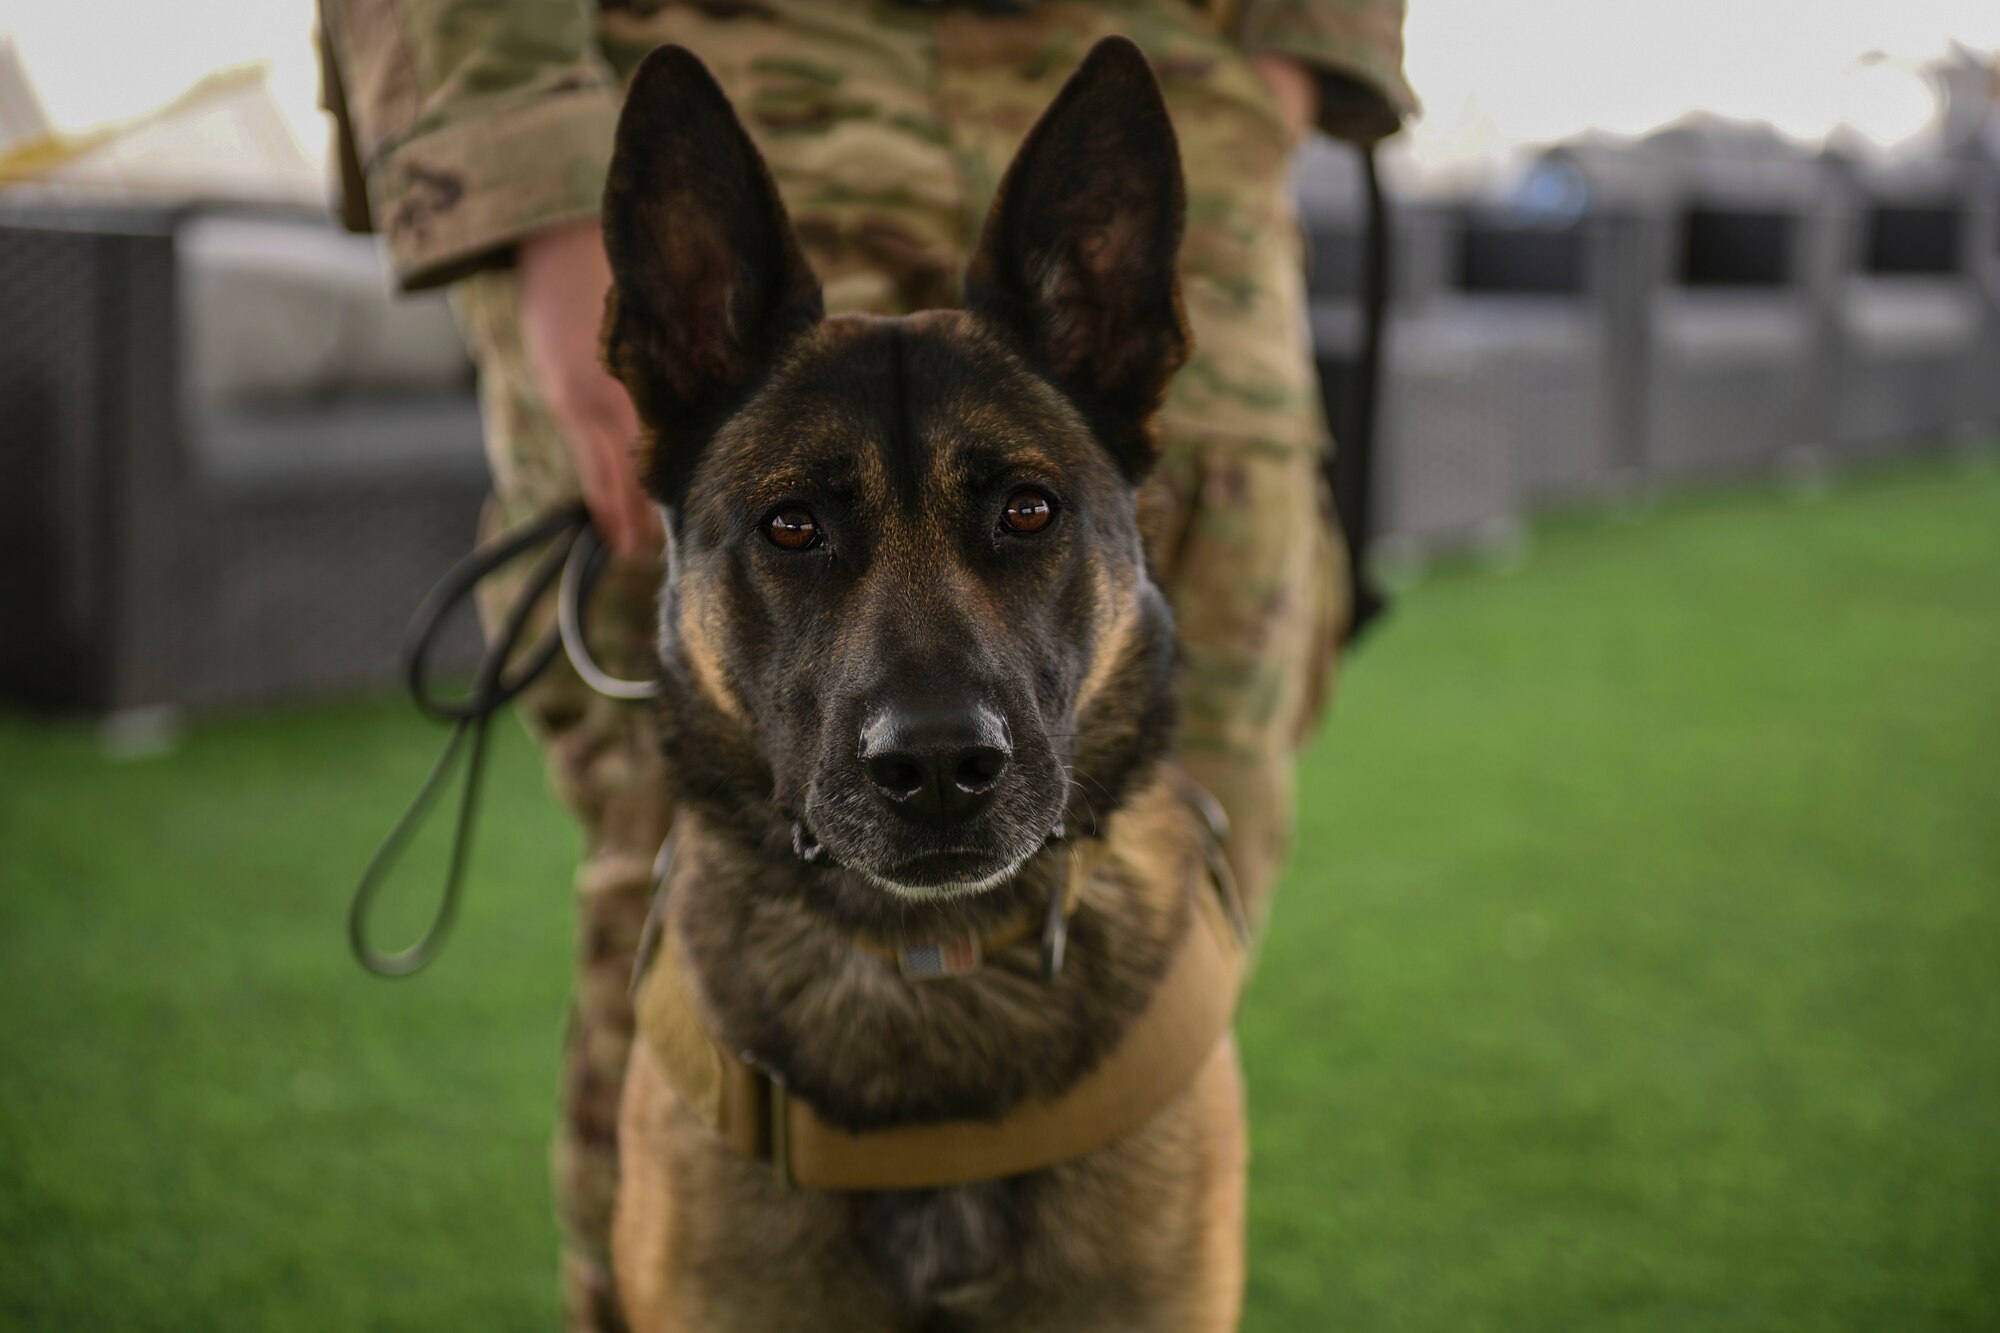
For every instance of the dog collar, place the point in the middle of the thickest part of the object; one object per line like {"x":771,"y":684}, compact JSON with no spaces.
{"x":745,"y":1102}
{"x":962,"y":955}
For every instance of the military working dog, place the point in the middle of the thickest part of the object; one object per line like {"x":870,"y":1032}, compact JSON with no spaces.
{"x":918,"y":705}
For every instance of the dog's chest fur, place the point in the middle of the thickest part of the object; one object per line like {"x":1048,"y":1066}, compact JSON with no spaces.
{"x":940,"y":1249}
{"x":1071,"y":1246}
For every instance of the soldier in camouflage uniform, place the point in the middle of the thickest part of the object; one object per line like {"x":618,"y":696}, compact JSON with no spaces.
{"x":478,"y":123}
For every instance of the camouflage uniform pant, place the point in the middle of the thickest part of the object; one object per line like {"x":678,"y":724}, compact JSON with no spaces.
{"x":888,"y":130}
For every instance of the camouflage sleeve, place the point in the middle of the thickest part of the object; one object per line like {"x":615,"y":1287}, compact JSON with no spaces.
{"x":474,"y":122}
{"x":1357,"y":48}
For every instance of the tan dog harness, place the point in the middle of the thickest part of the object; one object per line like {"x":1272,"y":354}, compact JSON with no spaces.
{"x":1161,"y":1051}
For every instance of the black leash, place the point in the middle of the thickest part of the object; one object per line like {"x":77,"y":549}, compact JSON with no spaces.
{"x":575,"y":556}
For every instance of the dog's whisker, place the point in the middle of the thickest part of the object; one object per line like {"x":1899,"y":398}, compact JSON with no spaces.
{"x":1069,"y":776}
{"x":1092,"y":781}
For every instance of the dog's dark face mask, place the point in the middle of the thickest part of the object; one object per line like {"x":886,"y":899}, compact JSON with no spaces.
{"x":907,"y":624}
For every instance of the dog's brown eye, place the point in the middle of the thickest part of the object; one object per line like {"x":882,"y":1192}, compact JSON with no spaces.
{"x":1028,"y":510}
{"x":792,"y":528}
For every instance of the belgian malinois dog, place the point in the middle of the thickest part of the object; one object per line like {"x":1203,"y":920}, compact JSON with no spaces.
{"x":917,"y":683}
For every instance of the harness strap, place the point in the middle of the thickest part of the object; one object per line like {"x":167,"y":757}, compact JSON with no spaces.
{"x":747,"y":1106}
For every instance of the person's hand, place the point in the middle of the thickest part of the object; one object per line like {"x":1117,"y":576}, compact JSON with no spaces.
{"x":564,"y":277}
{"x":1295,"y":88}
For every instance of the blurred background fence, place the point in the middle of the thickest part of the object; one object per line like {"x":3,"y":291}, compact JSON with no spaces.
{"x":1709,"y":302}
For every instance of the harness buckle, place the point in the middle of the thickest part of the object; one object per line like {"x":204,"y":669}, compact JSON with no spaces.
{"x":778,"y":1125}
{"x":1215,"y":839}
{"x":1224,"y":878}
{"x":781,"y":1133}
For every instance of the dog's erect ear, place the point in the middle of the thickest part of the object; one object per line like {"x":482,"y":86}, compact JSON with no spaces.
{"x":708,"y":282}
{"x":1077,"y":262}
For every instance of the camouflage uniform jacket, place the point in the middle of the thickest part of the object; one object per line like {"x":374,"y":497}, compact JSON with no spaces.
{"x":467,"y":124}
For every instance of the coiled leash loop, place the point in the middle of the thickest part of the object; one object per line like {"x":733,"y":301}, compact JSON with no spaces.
{"x":576,"y":557}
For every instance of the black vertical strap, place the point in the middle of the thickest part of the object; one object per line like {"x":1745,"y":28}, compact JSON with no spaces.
{"x":1351,"y":474}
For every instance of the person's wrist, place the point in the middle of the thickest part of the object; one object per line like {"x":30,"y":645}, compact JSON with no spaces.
{"x":567,"y":236}
{"x":563,"y":280}
{"x":1294,"y":86}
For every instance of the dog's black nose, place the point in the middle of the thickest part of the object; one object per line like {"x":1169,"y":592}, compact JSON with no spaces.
{"x":935,"y":764}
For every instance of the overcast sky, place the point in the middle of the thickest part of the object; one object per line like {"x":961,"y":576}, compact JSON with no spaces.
{"x":1492,"y":72}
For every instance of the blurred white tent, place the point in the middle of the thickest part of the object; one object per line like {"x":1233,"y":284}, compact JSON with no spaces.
{"x":22,"y":117}
{"x":226,"y":138}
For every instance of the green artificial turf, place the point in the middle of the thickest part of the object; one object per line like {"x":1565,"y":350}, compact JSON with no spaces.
{"x":1639,"y":968}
